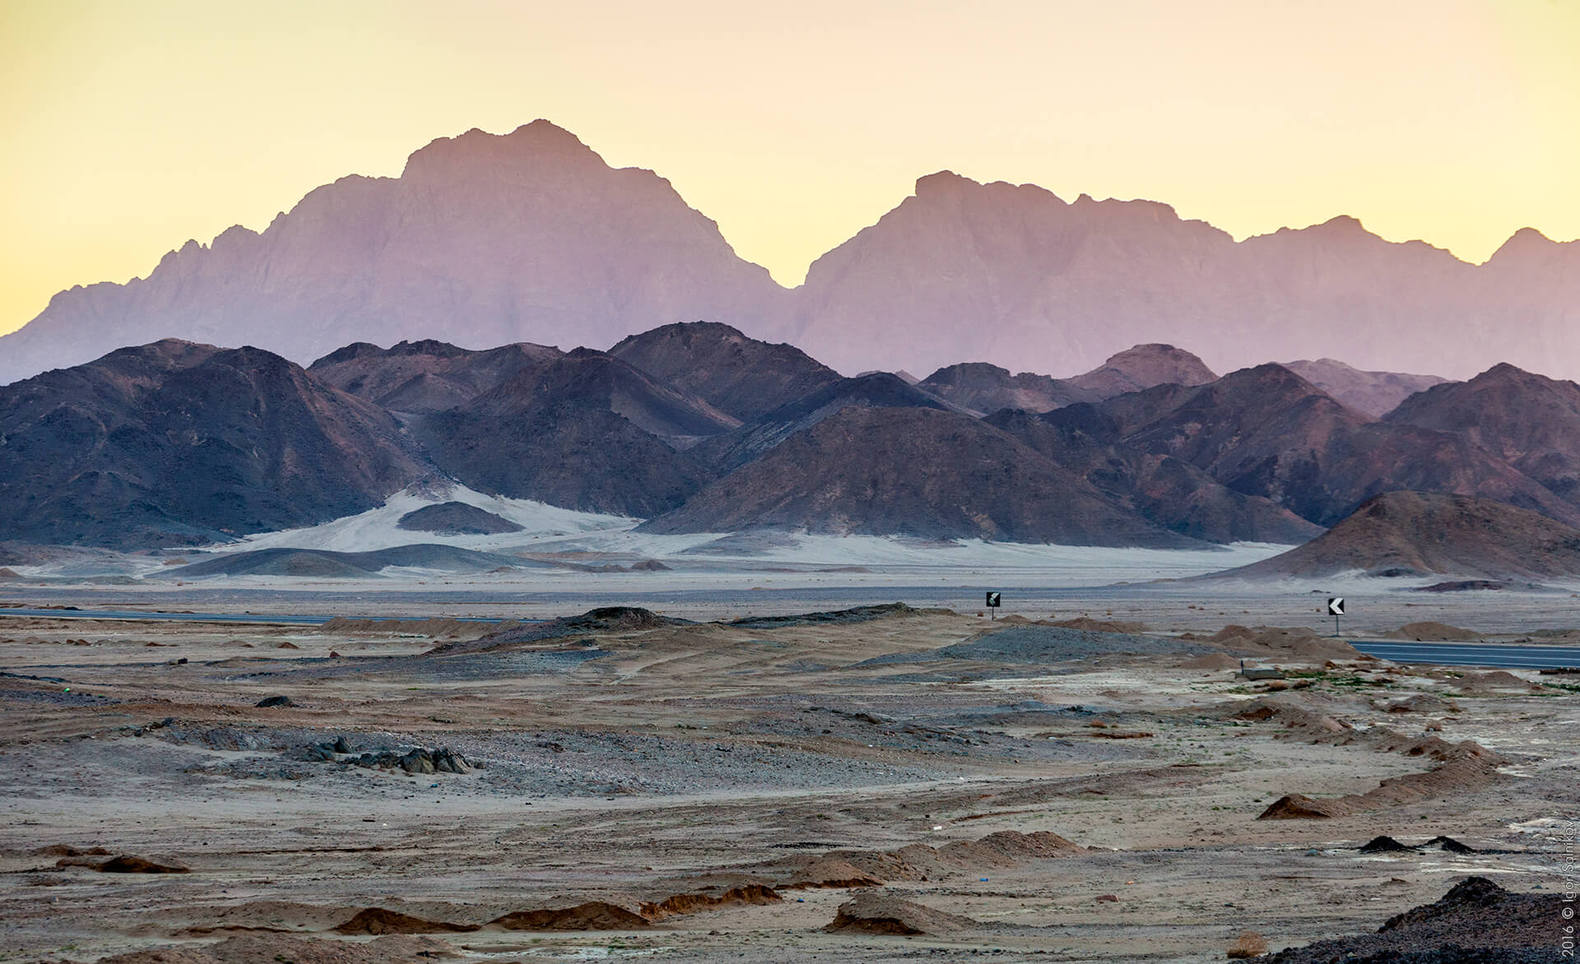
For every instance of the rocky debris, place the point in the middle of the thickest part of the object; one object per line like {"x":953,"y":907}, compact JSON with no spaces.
{"x":1463,"y":585}
{"x":66,"y":850}
{"x":272,"y":701}
{"x":416,"y":760}
{"x":438,"y":626}
{"x":1420,"y":703}
{"x":1248,"y":944}
{"x":879,"y":913}
{"x":1101,"y":625}
{"x":1476,"y":922}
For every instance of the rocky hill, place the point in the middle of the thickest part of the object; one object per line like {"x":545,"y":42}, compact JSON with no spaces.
{"x":179,"y":443}
{"x":1372,"y":393}
{"x":1417,"y":533}
{"x":427,"y":375}
{"x":912,"y":471}
{"x":740,"y":376}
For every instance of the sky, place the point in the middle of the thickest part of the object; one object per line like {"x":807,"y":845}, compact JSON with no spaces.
{"x":129,"y":127}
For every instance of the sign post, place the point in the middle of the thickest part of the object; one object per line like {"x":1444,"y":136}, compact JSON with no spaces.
{"x":993,"y":600}
{"x":1336,"y":609}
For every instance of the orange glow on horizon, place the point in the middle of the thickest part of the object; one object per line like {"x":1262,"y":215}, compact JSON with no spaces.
{"x":130,"y":128}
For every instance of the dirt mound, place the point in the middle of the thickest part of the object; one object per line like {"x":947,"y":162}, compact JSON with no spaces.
{"x":66,"y":850}
{"x":124,"y":864}
{"x":923,"y":862}
{"x":274,"y":948}
{"x":377,"y":920}
{"x":1430,"y":632}
{"x":856,"y":614}
{"x":693,"y":903}
{"x":1496,"y":682}
{"x":1420,"y":703}
{"x":7,"y":573}
{"x":878,"y":913}
{"x":1385,"y":845}
{"x":608,"y":619}
{"x":1100,"y":625}
{"x":455,"y":519}
{"x":594,"y":915}
{"x":1476,"y":921}
{"x":1212,"y":661}
{"x":1468,"y":767}
{"x":1283,"y":642}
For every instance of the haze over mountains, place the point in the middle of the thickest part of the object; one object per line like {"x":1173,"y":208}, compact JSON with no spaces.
{"x":530,"y":237}
{"x":175,"y":443}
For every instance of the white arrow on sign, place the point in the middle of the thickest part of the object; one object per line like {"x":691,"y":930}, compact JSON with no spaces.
{"x":1336,"y":606}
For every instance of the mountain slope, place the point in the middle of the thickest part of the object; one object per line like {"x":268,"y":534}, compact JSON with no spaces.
{"x":586,"y":432}
{"x":178,"y":443}
{"x":1142,"y":367}
{"x":982,"y":388}
{"x":738,"y":375}
{"x":1266,"y":431}
{"x":1165,"y":490}
{"x":912,"y":471}
{"x":1530,"y":421}
{"x":426,"y":376}
{"x":874,"y":390}
{"x":1414,"y":532}
{"x":1372,"y":393}
{"x":482,"y":240}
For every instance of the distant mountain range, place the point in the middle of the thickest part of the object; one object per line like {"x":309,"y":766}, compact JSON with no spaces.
{"x":530,"y":237}
{"x":695,"y":427}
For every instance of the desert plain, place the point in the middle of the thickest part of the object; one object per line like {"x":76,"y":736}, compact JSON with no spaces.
{"x":1089,"y":777}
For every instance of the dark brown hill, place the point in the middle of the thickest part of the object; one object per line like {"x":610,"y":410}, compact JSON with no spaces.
{"x":912,"y":471}
{"x":1165,"y":490}
{"x":177,"y":443}
{"x":1419,"y":532}
{"x":455,"y":519}
{"x":1268,"y":432}
{"x":873,"y":390}
{"x":982,"y":388}
{"x":740,"y":376}
{"x":418,"y":377}
{"x":1529,"y":421}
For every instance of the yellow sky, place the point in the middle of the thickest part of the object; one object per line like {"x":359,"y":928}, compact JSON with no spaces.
{"x":129,"y":127}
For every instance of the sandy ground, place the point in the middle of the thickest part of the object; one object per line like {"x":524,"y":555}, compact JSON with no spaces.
{"x":625,"y":766}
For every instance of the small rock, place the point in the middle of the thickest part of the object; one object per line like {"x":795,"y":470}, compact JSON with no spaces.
{"x":269,"y":701}
{"x":1248,"y":944}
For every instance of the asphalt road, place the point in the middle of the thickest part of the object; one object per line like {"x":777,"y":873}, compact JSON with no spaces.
{"x":1473,"y":654}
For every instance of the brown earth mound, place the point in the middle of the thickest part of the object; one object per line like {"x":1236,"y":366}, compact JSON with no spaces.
{"x":436,"y":627}
{"x":692,"y":903}
{"x":1468,"y":768}
{"x":922,"y":862}
{"x":1476,"y":921}
{"x":878,"y":913}
{"x":1283,"y":642}
{"x":1420,"y":703}
{"x":1090,"y":625}
{"x":124,"y":864}
{"x":1212,"y":661}
{"x":594,"y":915}
{"x":1430,"y":632}
{"x":66,"y":850}
{"x":377,"y":920}
{"x":1492,"y":683}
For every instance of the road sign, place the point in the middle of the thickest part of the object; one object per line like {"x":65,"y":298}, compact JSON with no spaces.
{"x":993,"y":599}
{"x":1336,"y":606}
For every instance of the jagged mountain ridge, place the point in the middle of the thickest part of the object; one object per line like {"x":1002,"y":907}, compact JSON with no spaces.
{"x":529,"y":236}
